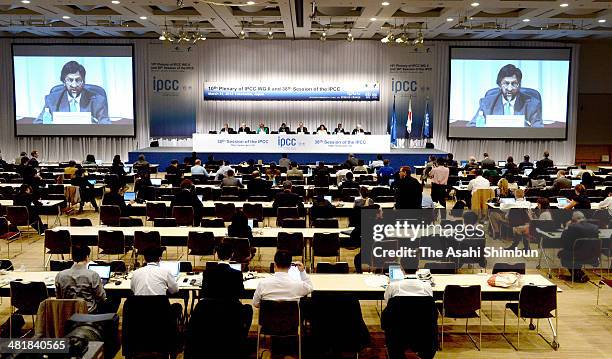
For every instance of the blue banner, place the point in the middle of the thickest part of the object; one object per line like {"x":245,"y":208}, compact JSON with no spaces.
{"x":327,"y":92}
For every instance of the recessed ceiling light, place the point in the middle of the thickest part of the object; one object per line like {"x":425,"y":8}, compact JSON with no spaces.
{"x":564,"y":5}
{"x":601,"y":21}
{"x":526,"y":20}
{"x":372,"y":19}
{"x":385,"y":3}
{"x":25,"y":1}
{"x":143,"y":18}
{"x":116,"y":2}
{"x":66,"y":17}
{"x":250,"y":2}
{"x":449,"y":19}
{"x":474,"y":4}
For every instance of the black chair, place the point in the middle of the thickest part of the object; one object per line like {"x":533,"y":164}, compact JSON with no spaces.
{"x":286,"y":212}
{"x":155,"y":210}
{"x":326,"y":223}
{"x":110,"y":215}
{"x":212,"y":223}
{"x":253,"y":211}
{"x":56,"y":242}
{"x":441,"y":267}
{"x":25,"y":299}
{"x":201,"y":244}
{"x":291,"y":242}
{"x":184,"y":215}
{"x":325,"y":245}
{"x":225,"y":211}
{"x":19,"y":216}
{"x":8,"y":235}
{"x":144,"y":240}
{"x":145,"y":333}
{"x":294,"y":223}
{"x":535,"y":302}
{"x":241,"y":248}
{"x":461,"y":302}
{"x":111,"y":243}
{"x":279,"y":319}
{"x":332,"y":268}
{"x":164,"y":222}
{"x":508,"y":267}
{"x":130,"y":222}
{"x":80,"y":222}
{"x":586,"y":251}
{"x":420,"y":336}
{"x":57,"y":266}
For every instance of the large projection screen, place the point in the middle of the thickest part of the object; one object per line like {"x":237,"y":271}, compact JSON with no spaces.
{"x":509,"y":93}
{"x":73,"y":90}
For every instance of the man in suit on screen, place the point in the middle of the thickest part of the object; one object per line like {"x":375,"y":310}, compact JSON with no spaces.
{"x":76,"y":96}
{"x":510,"y":99}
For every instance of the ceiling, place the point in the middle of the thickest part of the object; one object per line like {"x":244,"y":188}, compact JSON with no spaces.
{"x":301,"y":19}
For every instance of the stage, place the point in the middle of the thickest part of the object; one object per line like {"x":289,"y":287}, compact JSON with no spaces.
{"x":398,"y":156}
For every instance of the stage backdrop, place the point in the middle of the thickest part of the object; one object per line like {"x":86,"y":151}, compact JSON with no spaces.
{"x":173,"y":78}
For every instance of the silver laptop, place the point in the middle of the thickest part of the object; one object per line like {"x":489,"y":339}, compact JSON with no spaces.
{"x":129,"y":196}
{"x":576,"y":182}
{"x":127,"y":169}
{"x":327,"y":198}
{"x":172,"y":266}
{"x":156,"y":182}
{"x":104,"y":271}
{"x":562,"y":201}
{"x":501,"y":163}
{"x":395,"y":272}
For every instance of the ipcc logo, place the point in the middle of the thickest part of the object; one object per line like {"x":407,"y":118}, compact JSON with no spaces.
{"x":287,"y":142}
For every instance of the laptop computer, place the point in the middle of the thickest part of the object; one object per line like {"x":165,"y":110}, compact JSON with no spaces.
{"x":501,"y":163}
{"x":236,"y":266}
{"x":503,"y":171}
{"x":327,"y":198}
{"x":562,"y":201}
{"x":528,"y":171}
{"x":576,"y":182}
{"x":172,"y":266}
{"x":507,"y":200}
{"x":200,"y":197}
{"x":574,"y":172}
{"x":395,"y":272}
{"x":99,"y":162}
{"x":92,"y":181}
{"x":391,"y":182}
{"x":127,"y":169}
{"x":463,"y":163}
{"x":129,"y":196}
{"x":104,"y":271}
{"x":156,"y":182}
{"x":251,"y":223}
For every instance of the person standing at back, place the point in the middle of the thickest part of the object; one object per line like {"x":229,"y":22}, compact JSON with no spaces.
{"x":408,"y":190}
{"x":439,"y":180}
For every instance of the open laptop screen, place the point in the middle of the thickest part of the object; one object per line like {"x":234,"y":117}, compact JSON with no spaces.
{"x":172,"y":266}
{"x":103,"y":271}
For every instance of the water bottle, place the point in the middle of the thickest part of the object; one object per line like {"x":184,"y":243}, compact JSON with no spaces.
{"x":480,"y":120}
{"x":274,"y":181}
{"x":47,"y":117}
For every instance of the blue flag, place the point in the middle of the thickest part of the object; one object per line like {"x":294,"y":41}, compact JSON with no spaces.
{"x":426,"y":122}
{"x":393,"y":130}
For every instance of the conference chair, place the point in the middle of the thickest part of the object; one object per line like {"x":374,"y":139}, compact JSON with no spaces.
{"x":258,"y":199}
{"x":144,"y":240}
{"x":144,"y":334}
{"x":459,"y":302}
{"x":326,"y":223}
{"x":292,"y":243}
{"x":201,"y":244}
{"x":332,"y":268}
{"x":279,"y":319}
{"x":586,"y":251}
{"x":480,"y":199}
{"x":212,"y":223}
{"x":155,"y":210}
{"x":241,"y":248}
{"x":225,"y":211}
{"x":80,"y":222}
{"x":109,"y":215}
{"x":349,"y":193}
{"x":56,"y":242}
{"x":25,"y":299}
{"x":7,"y":235}
{"x":441,"y":267}
{"x":111,"y":243}
{"x":184,"y":215}
{"x":164,"y":222}
{"x":19,"y":216}
{"x":58,"y":266}
{"x":286,"y":212}
{"x":325,"y":245}
{"x":130,"y":222}
{"x":294,"y":223}
{"x":230,"y":191}
{"x":253,"y":211}
{"x":535,"y":302}
{"x":509,"y":267}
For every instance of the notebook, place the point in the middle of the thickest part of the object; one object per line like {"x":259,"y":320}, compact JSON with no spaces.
{"x":104,"y":271}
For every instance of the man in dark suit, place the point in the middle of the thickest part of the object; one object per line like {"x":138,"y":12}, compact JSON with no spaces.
{"x":526,"y":163}
{"x":301,"y":128}
{"x":510,"y":99}
{"x":227,"y":130}
{"x":222,"y":281}
{"x":188,"y":197}
{"x":244,"y":128}
{"x":408,"y":191}
{"x":561,"y":182}
{"x":339,"y":129}
{"x":487,"y":162}
{"x":349,"y":182}
{"x":578,"y":228}
{"x":545,"y":162}
{"x":76,"y":96}
{"x":286,"y":198}
{"x":258,"y":186}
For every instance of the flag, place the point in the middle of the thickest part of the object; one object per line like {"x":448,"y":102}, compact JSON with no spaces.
{"x":426,"y":122}
{"x":393,"y":129}
{"x":409,"y":118}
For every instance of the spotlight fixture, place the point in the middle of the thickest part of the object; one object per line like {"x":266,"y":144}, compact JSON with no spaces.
{"x":526,"y":20}
{"x":116,"y":2}
{"x":198,"y":36}
{"x":143,"y":18}
{"x":449,"y":19}
{"x":385,"y":3}
{"x":474,"y":4}
{"x":564,"y":4}
{"x":179,"y":3}
{"x":372,"y":19}
{"x":601,"y":21}
{"x":350,"y":37}
{"x":420,"y":39}
{"x":242,"y":34}
{"x":66,"y":17}
{"x":270,"y":35}
{"x":250,"y":3}
{"x":323,"y":36}
{"x":163,"y":37}
{"x":25,"y":1}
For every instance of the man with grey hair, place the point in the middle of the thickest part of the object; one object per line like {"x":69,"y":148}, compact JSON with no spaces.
{"x":287,"y":198}
{"x":561,"y":182}
{"x":577,"y":228}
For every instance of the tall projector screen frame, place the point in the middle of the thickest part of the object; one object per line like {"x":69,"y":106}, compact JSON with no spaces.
{"x":98,"y":101}
{"x":520,"y":126}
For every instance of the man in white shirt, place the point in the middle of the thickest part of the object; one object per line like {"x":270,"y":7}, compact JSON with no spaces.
{"x":408,"y":288}
{"x":607,"y":203}
{"x":378,"y":162}
{"x":478,"y":183}
{"x":223,"y":170}
{"x":151,"y":279}
{"x":439,"y":180}
{"x":282,"y":285}
{"x":198,"y":169}
{"x":341,"y":174}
